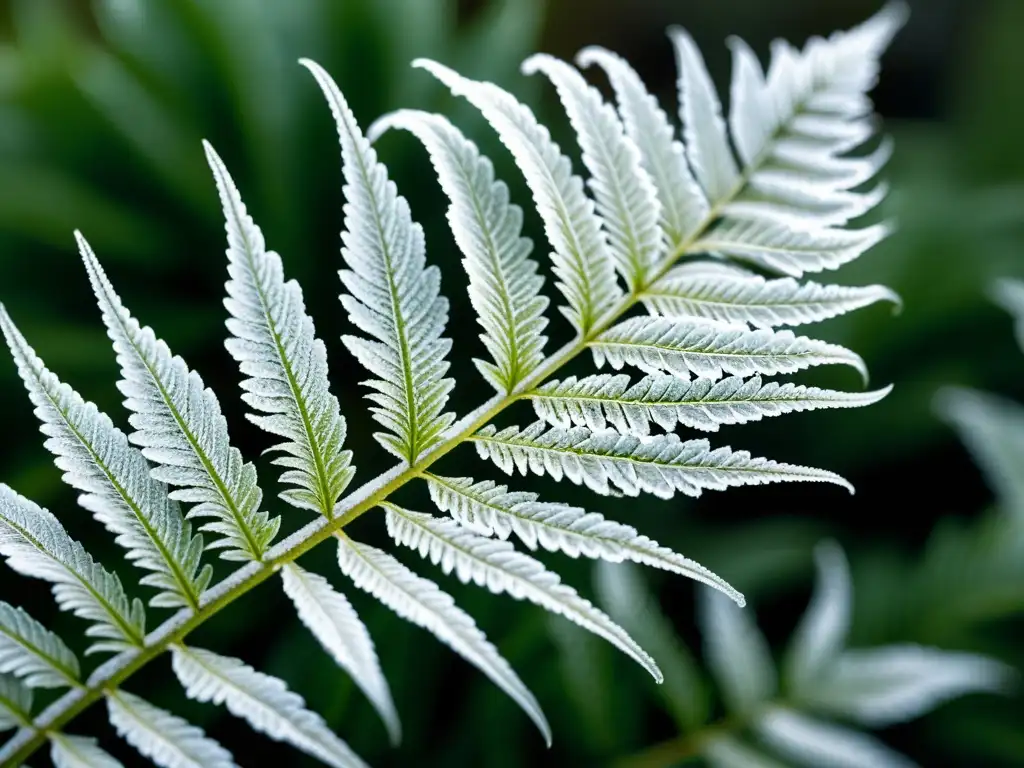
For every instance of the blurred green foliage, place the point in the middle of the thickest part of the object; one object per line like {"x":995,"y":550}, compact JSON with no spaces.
{"x":102,"y":106}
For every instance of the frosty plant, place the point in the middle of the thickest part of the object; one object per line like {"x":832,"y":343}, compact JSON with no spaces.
{"x":810,"y":709}
{"x":709,"y":232}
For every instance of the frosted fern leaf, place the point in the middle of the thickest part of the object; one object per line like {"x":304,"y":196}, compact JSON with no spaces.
{"x":166,"y":739}
{"x":333,"y":621}
{"x":422,"y":602}
{"x":32,"y":653}
{"x":682,"y":218}
{"x":700,"y":111}
{"x":36,"y":545}
{"x":707,"y":349}
{"x":504,"y":286}
{"x":661,"y":465}
{"x":276,"y":348}
{"x":180,"y":428}
{"x":756,"y":301}
{"x":792,"y":250}
{"x":489,"y":509}
{"x":15,"y":703}
{"x":497,"y":566}
{"x":79,"y":752}
{"x":683,"y":204}
{"x":626,"y":198}
{"x":264,"y":701}
{"x":392,"y":295}
{"x":609,"y":401}
{"x":115,"y":482}
{"x":582,"y":257}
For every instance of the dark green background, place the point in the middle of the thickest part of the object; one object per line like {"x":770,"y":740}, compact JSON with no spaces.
{"x":100,"y":122}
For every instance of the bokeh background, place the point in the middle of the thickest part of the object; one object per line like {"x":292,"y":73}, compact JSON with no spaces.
{"x":102,"y":108}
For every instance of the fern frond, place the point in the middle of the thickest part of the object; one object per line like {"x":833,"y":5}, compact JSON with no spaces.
{"x":115,"y":482}
{"x":595,"y":402}
{"x":32,"y":653}
{"x":626,"y":198}
{"x":79,"y":752}
{"x":15,"y":703}
{"x":490,"y":509}
{"x":737,"y":654}
{"x":166,"y":739}
{"x":422,"y":602}
{"x":683,"y":204}
{"x":791,"y":250}
{"x":823,"y":628}
{"x":333,"y":621}
{"x":275,"y":345}
{"x":497,"y":566}
{"x":708,"y":348}
{"x":392,"y":295}
{"x":807,"y":740}
{"x":879,"y":687}
{"x":180,"y":428}
{"x":756,"y":301}
{"x":707,"y":145}
{"x":263,"y":701}
{"x":504,"y":286}
{"x":661,"y":464}
{"x":992,"y":428}
{"x":36,"y":545}
{"x":582,"y":258}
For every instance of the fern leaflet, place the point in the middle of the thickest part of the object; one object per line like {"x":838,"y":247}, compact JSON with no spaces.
{"x":180,"y":428}
{"x":116,"y":483}
{"x":276,"y":347}
{"x":392,"y":295}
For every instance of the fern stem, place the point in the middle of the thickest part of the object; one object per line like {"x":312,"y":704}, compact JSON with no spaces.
{"x":364,"y":498}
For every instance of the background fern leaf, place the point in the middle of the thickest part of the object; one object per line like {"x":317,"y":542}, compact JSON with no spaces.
{"x":807,"y":740}
{"x":36,"y":545}
{"x":1009,"y":294}
{"x":497,"y":566}
{"x":626,"y":198}
{"x":180,"y":428}
{"x":392,"y":295}
{"x":708,"y":348}
{"x":595,"y":402}
{"x":683,"y":204}
{"x":660,"y":464}
{"x":32,"y":653}
{"x":275,"y":345}
{"x":332,"y":620}
{"x":490,"y":509}
{"x":582,"y":259}
{"x":115,"y":481}
{"x":422,"y":602}
{"x":504,"y":287}
{"x":756,"y":301}
{"x":166,"y":739}
{"x":264,"y":701}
